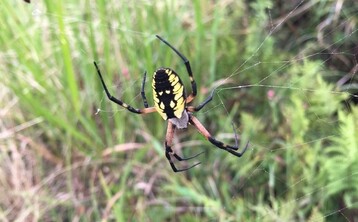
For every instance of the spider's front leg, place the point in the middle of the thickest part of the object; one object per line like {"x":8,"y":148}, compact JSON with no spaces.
{"x":231,"y":149}
{"x":168,"y":150}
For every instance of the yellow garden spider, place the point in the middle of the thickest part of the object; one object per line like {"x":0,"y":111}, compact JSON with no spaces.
{"x":171,"y":103}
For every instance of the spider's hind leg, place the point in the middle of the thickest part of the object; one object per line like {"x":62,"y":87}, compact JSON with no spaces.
{"x":142,"y":92}
{"x":188,"y":68}
{"x":201,"y":105}
{"x":120,"y":102}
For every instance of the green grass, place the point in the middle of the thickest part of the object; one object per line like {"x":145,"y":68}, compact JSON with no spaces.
{"x":280,"y":71}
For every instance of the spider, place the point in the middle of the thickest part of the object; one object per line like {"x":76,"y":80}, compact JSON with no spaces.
{"x":171,"y":103}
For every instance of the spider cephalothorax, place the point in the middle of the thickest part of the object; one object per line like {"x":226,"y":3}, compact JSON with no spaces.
{"x":171,"y":102}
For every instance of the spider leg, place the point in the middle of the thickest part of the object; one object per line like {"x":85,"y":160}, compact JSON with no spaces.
{"x":142,"y":92}
{"x":231,"y":149}
{"x":201,"y":105}
{"x":188,"y":68}
{"x":119,"y":102}
{"x":169,"y":151}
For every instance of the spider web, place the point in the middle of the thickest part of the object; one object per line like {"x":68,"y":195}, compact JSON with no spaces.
{"x":331,"y":49}
{"x":269,"y":84}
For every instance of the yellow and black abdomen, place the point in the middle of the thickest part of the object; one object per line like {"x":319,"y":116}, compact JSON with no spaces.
{"x":168,"y":93}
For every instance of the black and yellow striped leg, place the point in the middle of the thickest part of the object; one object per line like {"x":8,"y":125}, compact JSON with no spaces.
{"x":231,"y":149}
{"x":169,"y":151}
{"x":142,"y":92}
{"x":188,"y":68}
{"x":119,"y":102}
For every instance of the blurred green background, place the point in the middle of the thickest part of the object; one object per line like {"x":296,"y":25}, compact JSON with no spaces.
{"x":286,"y":73}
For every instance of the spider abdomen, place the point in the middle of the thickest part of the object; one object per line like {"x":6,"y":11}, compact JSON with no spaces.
{"x":168,"y":93}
